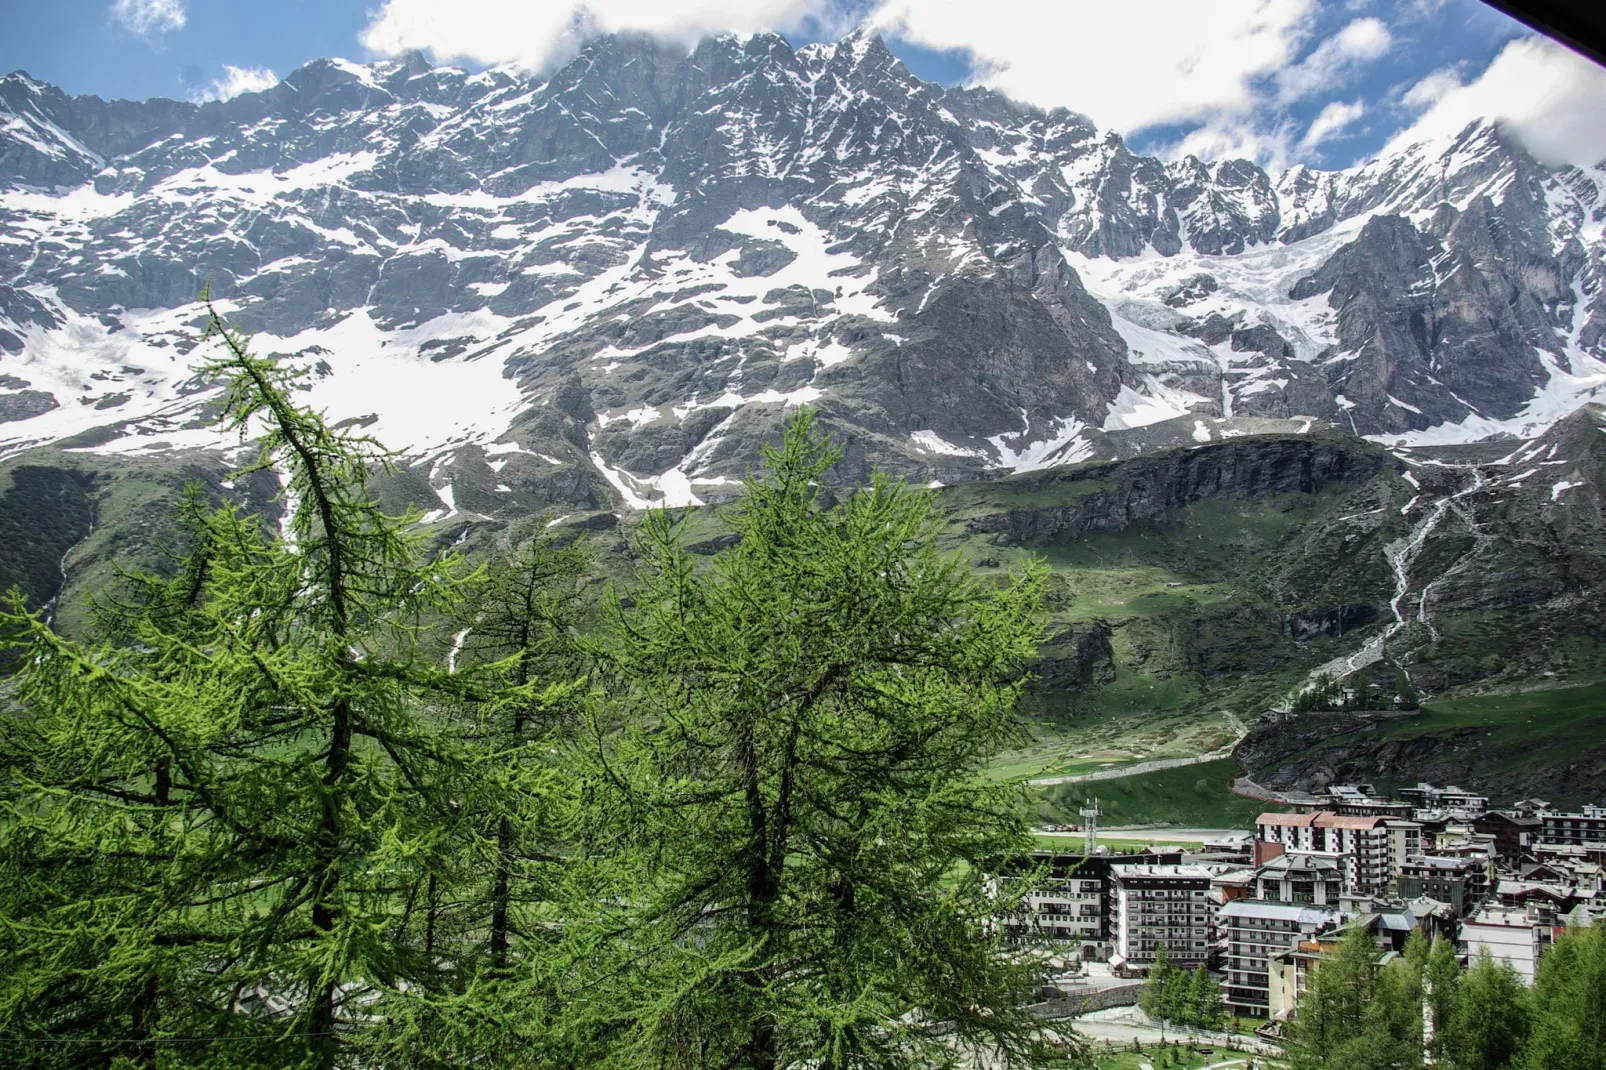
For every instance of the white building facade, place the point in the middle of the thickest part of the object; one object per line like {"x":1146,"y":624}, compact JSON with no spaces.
{"x":1156,"y":905}
{"x":1370,"y":850}
{"x":1515,"y":937}
{"x":1256,"y":931}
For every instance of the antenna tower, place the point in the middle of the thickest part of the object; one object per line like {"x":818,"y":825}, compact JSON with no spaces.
{"x":1090,"y":825}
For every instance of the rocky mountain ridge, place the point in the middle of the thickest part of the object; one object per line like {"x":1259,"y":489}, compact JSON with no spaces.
{"x":605,"y":286}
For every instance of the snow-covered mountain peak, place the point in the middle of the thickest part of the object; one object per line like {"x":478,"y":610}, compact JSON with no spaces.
{"x":625,"y":270}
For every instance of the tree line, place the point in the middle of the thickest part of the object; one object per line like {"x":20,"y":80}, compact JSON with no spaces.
{"x":1189,"y":998}
{"x":1422,"y":1008}
{"x":735,"y":818}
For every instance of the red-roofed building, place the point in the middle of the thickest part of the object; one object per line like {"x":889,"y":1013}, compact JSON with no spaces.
{"x":1371,"y":850}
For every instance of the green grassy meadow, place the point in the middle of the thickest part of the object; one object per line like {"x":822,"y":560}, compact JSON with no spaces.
{"x":1194,"y":796}
{"x":1511,"y":738}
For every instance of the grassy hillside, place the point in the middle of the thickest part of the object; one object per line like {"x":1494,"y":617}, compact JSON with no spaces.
{"x":1194,"y":796}
{"x":1190,"y":589}
{"x":1547,"y":743}
{"x":44,"y":512}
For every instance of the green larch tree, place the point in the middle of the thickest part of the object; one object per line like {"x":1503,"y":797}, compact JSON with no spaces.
{"x":1441,"y":980}
{"x":1569,"y":1004}
{"x":1489,"y":1022}
{"x":1158,"y":987}
{"x":526,"y":612}
{"x":230,"y":816}
{"x":791,"y":831}
{"x":1391,"y":1033}
{"x":1332,"y":1011}
{"x":1204,"y":1000}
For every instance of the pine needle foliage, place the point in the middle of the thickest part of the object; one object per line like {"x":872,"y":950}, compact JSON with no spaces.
{"x":527,"y":611}
{"x":784,"y":783}
{"x":1331,"y":1024}
{"x":1422,"y":1009}
{"x":1182,"y":997}
{"x":1568,"y":1027}
{"x":254,"y":819}
{"x":240,"y":823}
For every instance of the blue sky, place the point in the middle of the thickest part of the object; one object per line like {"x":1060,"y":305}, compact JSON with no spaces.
{"x":1327,"y":82}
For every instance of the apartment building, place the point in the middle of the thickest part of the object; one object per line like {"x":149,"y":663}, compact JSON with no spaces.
{"x":1071,"y":906}
{"x":1451,"y":800}
{"x":1564,"y":867}
{"x":1230,"y":884}
{"x":1516,"y":937}
{"x":1455,"y":842}
{"x":1570,"y":852}
{"x":1277,"y":834}
{"x":1575,"y":829}
{"x":1514,"y":834}
{"x":1300,"y":878}
{"x":1374,"y":847}
{"x":1544,"y":898}
{"x":1461,"y":882}
{"x":1405,"y":841}
{"x":1258,"y":930}
{"x":1156,"y":904}
{"x":1361,"y":800}
{"x":1291,"y":970}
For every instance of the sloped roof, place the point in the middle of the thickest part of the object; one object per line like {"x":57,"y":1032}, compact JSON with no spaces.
{"x":1301,"y":862}
{"x":1287,"y":820}
{"x":1345,"y":821}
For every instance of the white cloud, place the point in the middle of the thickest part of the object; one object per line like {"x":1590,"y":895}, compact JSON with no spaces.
{"x":1332,"y":63}
{"x":149,"y":18}
{"x":237,"y":80}
{"x":1333,"y":119}
{"x":1432,"y":88}
{"x":1548,"y":94}
{"x":534,"y":34}
{"x":1233,"y":137}
{"x":1227,"y":68}
{"x":1129,"y":65}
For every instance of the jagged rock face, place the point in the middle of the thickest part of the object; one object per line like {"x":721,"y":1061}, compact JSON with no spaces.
{"x":1109,"y":497}
{"x":1531,"y":529}
{"x":611,"y":283}
{"x":1435,"y":331}
{"x":1313,"y":752}
{"x":1444,"y":294}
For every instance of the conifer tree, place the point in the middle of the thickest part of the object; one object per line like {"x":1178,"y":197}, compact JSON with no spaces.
{"x":1156,"y":999}
{"x":1391,"y":1033}
{"x":525,"y":611}
{"x":1331,"y":1013}
{"x":235,"y":822}
{"x":1490,"y":1020}
{"x":1441,"y":980}
{"x":791,"y":837}
{"x":1204,"y":1000}
{"x":1569,"y":1004}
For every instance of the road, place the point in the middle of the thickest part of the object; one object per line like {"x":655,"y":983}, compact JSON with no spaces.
{"x":1123,"y":1024}
{"x":1160,"y":832}
{"x":1157,"y":833}
{"x":1119,"y":1026}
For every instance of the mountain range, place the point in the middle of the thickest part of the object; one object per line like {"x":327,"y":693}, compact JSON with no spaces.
{"x":1261,"y":425}
{"x":607,"y":284}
